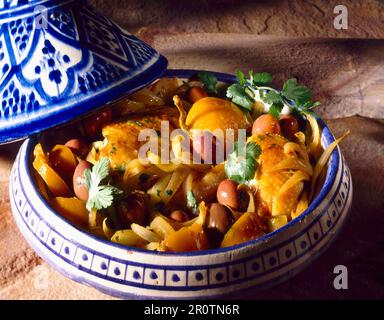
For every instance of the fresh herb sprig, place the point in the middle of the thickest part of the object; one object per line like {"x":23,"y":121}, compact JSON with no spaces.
{"x":209,"y":82}
{"x":191,"y":200}
{"x":295,"y":96}
{"x":101,"y":195}
{"x":241,"y":164}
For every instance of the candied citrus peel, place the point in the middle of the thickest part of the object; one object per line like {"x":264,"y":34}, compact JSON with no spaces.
{"x":191,"y":238}
{"x":248,"y":227}
{"x":63,"y":162}
{"x":72,"y":209}
{"x":212,"y":113}
{"x":55,"y":183}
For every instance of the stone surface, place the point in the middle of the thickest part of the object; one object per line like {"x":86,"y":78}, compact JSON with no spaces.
{"x":304,"y":18}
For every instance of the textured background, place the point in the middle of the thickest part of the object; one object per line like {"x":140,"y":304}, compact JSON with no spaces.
{"x":346,"y":75}
{"x":303,"y":18}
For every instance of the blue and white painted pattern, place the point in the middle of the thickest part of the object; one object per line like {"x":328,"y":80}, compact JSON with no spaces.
{"x":62,"y":62}
{"x":132,"y":273}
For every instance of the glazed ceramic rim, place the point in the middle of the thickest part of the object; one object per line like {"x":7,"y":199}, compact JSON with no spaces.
{"x":333,"y":164}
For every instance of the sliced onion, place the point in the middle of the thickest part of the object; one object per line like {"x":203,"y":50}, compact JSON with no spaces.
{"x":292,"y":147}
{"x":300,"y":136}
{"x":292,"y":163}
{"x":175,"y":224}
{"x":161,"y":227}
{"x":156,"y":160}
{"x":177,"y":179}
{"x":108,"y":231}
{"x":321,"y":163}
{"x":314,"y":146}
{"x":295,"y":179}
{"x":157,"y":189}
{"x":183,"y":114}
{"x":95,"y":219}
{"x":144,"y":233}
{"x":301,"y":206}
{"x":276,"y":222}
{"x":251,"y":204}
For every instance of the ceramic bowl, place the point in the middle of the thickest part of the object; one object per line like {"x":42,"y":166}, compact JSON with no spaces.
{"x":60,"y":59}
{"x":134,"y":273}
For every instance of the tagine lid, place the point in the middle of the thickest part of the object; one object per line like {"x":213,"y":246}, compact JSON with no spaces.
{"x":61,"y":59}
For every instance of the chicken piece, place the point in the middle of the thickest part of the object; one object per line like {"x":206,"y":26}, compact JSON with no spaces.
{"x":269,"y":183}
{"x":122,"y":137}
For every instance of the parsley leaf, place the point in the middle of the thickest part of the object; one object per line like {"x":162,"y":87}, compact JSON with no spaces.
{"x":237,"y":93}
{"x":209,"y":82}
{"x":241,"y":164}
{"x":100,"y":196}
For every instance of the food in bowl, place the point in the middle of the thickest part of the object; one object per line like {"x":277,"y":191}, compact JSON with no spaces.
{"x":188,"y":165}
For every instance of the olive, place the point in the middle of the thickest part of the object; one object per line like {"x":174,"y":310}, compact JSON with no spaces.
{"x":289,"y":125}
{"x":93,"y":124}
{"x":266,"y":123}
{"x":194,"y":78}
{"x":78,"y":147}
{"x":227,"y":194}
{"x":219,"y":218}
{"x":132,"y":210}
{"x":79,"y":188}
{"x":206,"y":148}
{"x":179,"y":216}
{"x":194,"y":94}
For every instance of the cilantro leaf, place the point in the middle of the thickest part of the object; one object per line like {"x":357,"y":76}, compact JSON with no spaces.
{"x":272,"y":97}
{"x":262,"y":78}
{"x":297,"y":93}
{"x":241,"y":164}
{"x":245,"y":92}
{"x":275,"y":110}
{"x":103,"y":198}
{"x":253,"y":150}
{"x":191,"y":200}
{"x":209,"y":82}
{"x":310,"y":104}
{"x":100,"y":196}
{"x":241,"y":77}
{"x":237,"y":93}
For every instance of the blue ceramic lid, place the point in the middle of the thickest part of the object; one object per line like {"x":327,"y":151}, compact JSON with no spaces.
{"x":61,"y":59}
